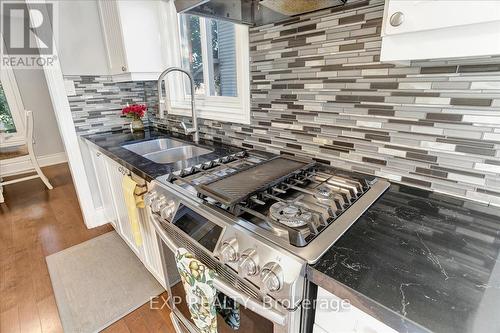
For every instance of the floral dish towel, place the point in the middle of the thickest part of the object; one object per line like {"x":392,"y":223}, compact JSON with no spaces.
{"x":197,"y":280}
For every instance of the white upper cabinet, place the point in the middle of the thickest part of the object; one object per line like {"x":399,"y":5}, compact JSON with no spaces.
{"x":431,"y":29}
{"x":133,"y":38}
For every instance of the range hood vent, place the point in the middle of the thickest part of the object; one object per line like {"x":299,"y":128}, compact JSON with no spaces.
{"x":253,"y":12}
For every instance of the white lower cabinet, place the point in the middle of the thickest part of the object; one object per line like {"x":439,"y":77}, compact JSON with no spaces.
{"x":334,"y":315}
{"x":148,"y":251}
{"x":116,"y":173}
{"x":104,"y":185}
{"x":152,"y":257}
{"x":109,"y":176}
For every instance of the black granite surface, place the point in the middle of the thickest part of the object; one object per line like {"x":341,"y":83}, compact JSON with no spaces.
{"x":419,"y":262}
{"x":111,"y":143}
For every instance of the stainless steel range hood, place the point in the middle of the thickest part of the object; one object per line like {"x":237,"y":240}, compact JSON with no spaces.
{"x":253,"y":12}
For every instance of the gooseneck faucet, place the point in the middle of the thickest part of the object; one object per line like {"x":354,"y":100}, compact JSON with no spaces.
{"x":187,"y":130}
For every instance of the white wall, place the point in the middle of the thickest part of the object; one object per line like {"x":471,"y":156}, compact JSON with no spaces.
{"x":35,"y":95}
{"x":81,"y":44}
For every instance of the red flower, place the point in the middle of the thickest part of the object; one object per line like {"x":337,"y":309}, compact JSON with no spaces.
{"x":135,"y":110}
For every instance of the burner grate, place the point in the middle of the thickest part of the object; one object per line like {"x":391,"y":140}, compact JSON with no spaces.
{"x":300,"y":207}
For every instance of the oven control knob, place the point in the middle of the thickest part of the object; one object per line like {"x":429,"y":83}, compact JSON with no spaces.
{"x":229,"y":250}
{"x":150,"y":197}
{"x":167,"y":212}
{"x":249,"y":263}
{"x":158,"y":204}
{"x":272,"y":276}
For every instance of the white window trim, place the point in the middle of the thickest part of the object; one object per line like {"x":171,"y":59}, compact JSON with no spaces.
{"x":220,"y":108}
{"x":16,"y":106}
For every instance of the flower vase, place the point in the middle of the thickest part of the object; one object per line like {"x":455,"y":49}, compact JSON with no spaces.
{"x":136,"y":125}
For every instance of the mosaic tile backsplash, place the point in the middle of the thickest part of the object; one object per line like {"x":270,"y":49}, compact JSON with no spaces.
{"x":98,"y":102}
{"x":319,"y":89}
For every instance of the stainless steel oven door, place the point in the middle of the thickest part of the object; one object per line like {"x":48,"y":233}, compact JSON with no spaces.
{"x":255,"y":315}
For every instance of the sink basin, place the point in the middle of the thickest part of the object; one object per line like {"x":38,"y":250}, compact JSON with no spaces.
{"x":166,"y":150}
{"x":176,"y":154}
{"x":153,"y":146}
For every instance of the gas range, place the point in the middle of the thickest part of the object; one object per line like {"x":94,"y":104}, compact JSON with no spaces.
{"x":298,"y":204}
{"x":258,"y":219}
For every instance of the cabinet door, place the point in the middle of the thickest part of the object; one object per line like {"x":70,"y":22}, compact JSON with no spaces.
{"x":112,"y":30}
{"x":132,"y":33}
{"x":152,"y":258}
{"x":147,"y":35}
{"x":438,"y":14}
{"x":434,"y":29}
{"x":116,"y":174}
{"x":103,"y":184}
{"x":148,"y":252}
{"x":334,"y":315}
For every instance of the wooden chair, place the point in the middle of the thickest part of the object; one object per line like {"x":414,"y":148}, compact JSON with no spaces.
{"x":25,"y":149}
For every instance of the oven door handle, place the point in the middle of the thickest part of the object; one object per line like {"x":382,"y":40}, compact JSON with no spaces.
{"x":163,"y":235}
{"x":250,"y":303}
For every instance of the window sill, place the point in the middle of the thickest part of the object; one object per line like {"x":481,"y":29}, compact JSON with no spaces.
{"x":226,"y":112}
{"x":11,"y":140}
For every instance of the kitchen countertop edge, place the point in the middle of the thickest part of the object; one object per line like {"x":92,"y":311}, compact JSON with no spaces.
{"x":364,"y":303}
{"x":120,"y":161}
{"x":151,"y":133}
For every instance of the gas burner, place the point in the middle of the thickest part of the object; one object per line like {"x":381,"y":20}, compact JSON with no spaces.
{"x":323,"y":193}
{"x":289,"y":214}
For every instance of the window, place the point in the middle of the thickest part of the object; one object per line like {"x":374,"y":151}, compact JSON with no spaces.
{"x":192,"y":55}
{"x":217,"y":54}
{"x":6,"y":121}
{"x":11,"y":110}
{"x":216,"y":76}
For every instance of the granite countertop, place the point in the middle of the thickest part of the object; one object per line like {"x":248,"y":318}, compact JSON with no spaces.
{"x":111,"y":143}
{"x":419,"y":262}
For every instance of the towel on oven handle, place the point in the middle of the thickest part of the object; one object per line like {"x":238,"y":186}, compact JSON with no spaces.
{"x":197,"y":280}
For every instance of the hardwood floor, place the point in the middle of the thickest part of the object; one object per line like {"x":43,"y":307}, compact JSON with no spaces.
{"x":34,"y":223}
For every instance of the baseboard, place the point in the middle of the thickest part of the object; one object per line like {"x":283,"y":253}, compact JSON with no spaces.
{"x":22,"y":164}
{"x":98,"y":219}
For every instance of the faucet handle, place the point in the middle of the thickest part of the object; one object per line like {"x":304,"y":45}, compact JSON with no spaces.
{"x":161,"y":107}
{"x":187,"y":130}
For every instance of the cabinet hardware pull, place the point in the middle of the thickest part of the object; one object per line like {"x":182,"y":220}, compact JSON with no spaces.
{"x":142,"y":193}
{"x":397,"y":19}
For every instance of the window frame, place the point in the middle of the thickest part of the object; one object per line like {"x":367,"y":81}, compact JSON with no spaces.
{"x":15,"y":103}
{"x":220,"y":108}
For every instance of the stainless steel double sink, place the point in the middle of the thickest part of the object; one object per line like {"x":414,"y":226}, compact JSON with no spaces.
{"x":166,"y":150}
